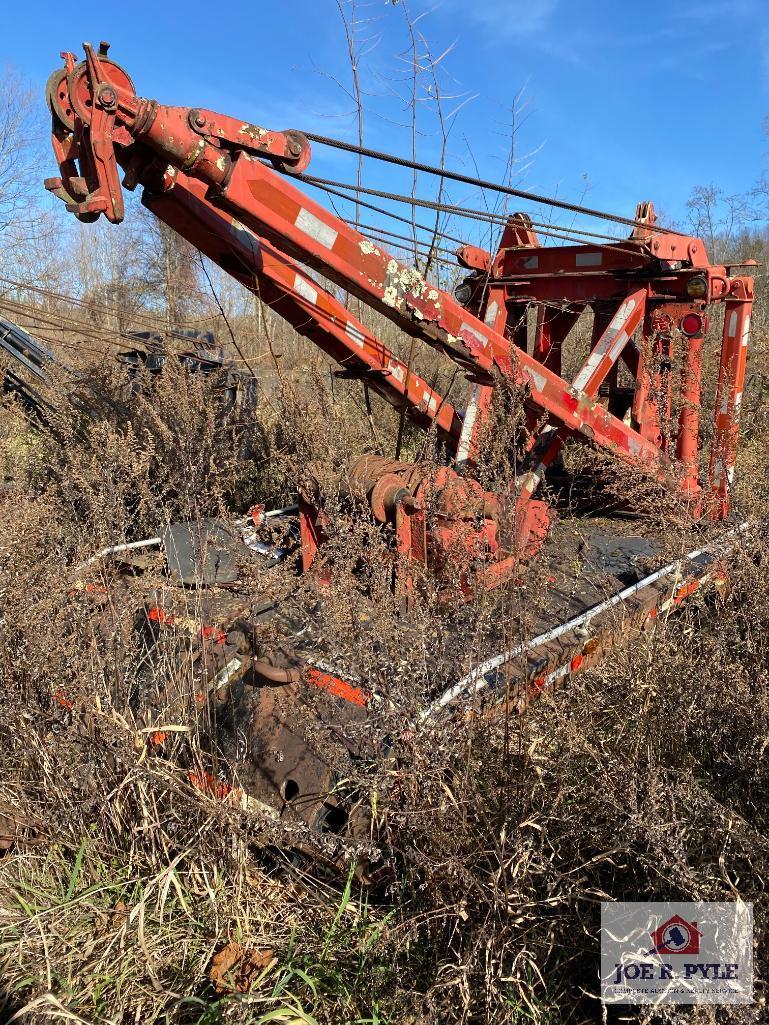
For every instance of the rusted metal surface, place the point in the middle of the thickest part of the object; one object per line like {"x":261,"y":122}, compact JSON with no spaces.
{"x":221,"y":183}
{"x":657,"y":280}
{"x":26,"y":375}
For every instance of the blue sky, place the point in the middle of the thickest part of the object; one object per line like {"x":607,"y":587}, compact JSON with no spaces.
{"x":621,"y":100}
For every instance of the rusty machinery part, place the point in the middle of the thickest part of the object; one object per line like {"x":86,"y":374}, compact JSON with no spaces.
{"x":387,"y":482}
{"x":95,"y":108}
{"x":27,"y":378}
{"x":632,"y":287}
{"x":581,"y":641}
{"x":281,"y":729}
{"x":260,"y":709}
{"x":29,"y":360}
{"x":441,"y":520}
{"x":637,"y":395}
{"x":57,"y":98}
{"x":116,"y":81}
{"x":648,"y":296}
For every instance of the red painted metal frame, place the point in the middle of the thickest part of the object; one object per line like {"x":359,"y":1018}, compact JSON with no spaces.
{"x":212,"y":185}
{"x":731,"y":381}
{"x":301,"y":300}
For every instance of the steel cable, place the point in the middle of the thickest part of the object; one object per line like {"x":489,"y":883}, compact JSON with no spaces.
{"x":458,"y":211}
{"x":465,"y":179}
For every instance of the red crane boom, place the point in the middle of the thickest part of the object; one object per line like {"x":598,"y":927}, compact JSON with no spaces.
{"x":221,"y":183}
{"x":226,"y":186}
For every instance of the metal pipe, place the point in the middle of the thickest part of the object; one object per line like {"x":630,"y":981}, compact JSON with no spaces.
{"x":273,"y":674}
{"x":289,"y":510}
{"x":114,"y":549}
{"x":689,"y":416}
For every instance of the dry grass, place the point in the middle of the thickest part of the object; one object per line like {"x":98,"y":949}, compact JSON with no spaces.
{"x":647,"y":779}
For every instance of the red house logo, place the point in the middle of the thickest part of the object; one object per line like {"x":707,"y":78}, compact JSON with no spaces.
{"x":676,"y":936}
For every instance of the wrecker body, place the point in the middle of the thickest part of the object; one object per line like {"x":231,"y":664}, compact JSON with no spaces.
{"x":232,"y":189}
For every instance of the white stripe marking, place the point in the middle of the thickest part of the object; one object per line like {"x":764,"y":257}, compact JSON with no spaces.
{"x":397,"y":370}
{"x":746,"y":332}
{"x":588,"y":259}
{"x":463,"y":448}
{"x":587,"y":371}
{"x":305,"y":289}
{"x":355,"y":334}
{"x":479,"y":335}
{"x":614,"y":338}
{"x":491,"y":314}
{"x":475,"y":680}
{"x":537,"y":380}
{"x":315,"y":228}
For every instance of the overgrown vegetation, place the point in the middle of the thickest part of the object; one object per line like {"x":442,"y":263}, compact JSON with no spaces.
{"x":127,"y":894}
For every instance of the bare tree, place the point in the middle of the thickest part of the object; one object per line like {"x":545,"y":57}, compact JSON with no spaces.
{"x":717,"y":219}
{"x":172,"y":271}
{"x":21,"y":137}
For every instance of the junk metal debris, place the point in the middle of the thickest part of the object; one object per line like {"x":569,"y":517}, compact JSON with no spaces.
{"x":232,"y":189}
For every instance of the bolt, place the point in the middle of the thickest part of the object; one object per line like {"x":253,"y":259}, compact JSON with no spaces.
{"x":199,"y":120}
{"x":295,"y":148}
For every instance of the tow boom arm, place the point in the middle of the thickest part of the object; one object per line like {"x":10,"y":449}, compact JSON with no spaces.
{"x":221,"y":183}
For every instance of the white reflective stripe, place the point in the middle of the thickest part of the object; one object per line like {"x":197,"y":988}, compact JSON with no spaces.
{"x":537,"y":380}
{"x":491,"y":314}
{"x":588,"y":259}
{"x":316,"y":228}
{"x":475,"y":333}
{"x":432,"y":401}
{"x":303,"y":287}
{"x":558,"y":674}
{"x":616,"y":324}
{"x":397,"y":370}
{"x":465,"y":437}
{"x":737,"y":401}
{"x":732,"y":329}
{"x":245,"y":235}
{"x":355,"y":334}
{"x":591,"y":365}
{"x":619,"y":344}
{"x":614,"y":338}
{"x":746,"y":332}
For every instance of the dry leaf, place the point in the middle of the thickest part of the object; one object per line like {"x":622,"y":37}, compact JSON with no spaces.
{"x":234,"y":970}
